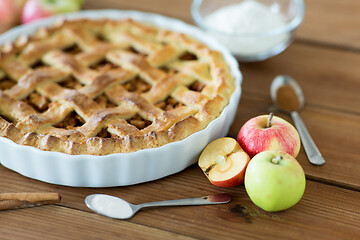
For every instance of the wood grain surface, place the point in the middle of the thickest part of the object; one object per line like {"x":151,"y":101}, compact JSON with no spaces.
{"x":319,"y":213}
{"x":325,"y":59}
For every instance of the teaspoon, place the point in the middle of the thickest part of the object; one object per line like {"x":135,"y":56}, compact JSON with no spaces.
{"x":291,"y":101}
{"x":115,"y":207}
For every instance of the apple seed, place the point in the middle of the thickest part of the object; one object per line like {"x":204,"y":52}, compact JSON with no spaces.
{"x":207,"y":171}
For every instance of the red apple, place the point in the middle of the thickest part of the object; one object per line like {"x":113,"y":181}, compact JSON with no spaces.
{"x":36,"y":9}
{"x":10,"y":13}
{"x":224,"y":162}
{"x":266,"y":132}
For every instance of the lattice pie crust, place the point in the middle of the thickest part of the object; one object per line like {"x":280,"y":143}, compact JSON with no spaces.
{"x":108,"y":86}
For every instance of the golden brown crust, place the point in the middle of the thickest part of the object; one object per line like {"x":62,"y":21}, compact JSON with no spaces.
{"x":180,"y":87}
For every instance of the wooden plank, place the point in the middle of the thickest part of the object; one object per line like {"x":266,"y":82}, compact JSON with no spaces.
{"x":324,"y":212}
{"x":323,"y":81}
{"x":331,"y":22}
{"x":57,"y":222}
{"x":336,"y":134}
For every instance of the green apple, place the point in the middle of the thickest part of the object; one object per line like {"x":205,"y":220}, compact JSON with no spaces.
{"x":274,"y":180}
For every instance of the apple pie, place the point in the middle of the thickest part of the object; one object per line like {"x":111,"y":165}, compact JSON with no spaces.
{"x":108,"y":86}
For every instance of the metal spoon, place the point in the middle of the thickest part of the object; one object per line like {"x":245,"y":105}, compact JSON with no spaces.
{"x":115,"y":207}
{"x":311,"y":150}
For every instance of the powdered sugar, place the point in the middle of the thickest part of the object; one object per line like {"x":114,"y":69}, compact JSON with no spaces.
{"x":111,"y":206}
{"x":247,"y":17}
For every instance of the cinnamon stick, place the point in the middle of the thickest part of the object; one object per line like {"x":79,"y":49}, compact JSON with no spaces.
{"x":24,"y":200}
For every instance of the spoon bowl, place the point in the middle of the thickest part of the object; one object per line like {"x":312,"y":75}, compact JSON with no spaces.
{"x":292,"y":100}
{"x":281,"y":81}
{"x":110,"y":206}
{"x":118,"y":208}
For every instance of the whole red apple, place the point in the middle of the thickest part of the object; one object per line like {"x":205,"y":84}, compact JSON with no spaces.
{"x":36,"y":9}
{"x":266,"y":132}
{"x":224,"y":162}
{"x":10,"y":13}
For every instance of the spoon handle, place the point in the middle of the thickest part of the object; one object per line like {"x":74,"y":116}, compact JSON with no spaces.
{"x":213,"y":199}
{"x":311,"y":150}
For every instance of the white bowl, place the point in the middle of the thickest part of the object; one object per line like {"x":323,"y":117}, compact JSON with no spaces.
{"x":119,"y":169}
{"x":252,"y":46}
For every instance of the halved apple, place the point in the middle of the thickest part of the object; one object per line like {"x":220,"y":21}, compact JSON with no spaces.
{"x":224,"y":162}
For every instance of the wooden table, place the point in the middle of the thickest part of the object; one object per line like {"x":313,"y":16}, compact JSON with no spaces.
{"x":325,"y":59}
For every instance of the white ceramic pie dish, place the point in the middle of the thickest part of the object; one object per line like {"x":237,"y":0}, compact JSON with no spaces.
{"x":119,"y":169}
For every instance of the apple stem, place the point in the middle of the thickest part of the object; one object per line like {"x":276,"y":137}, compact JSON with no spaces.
{"x":271,"y":115}
{"x":277,"y":159}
